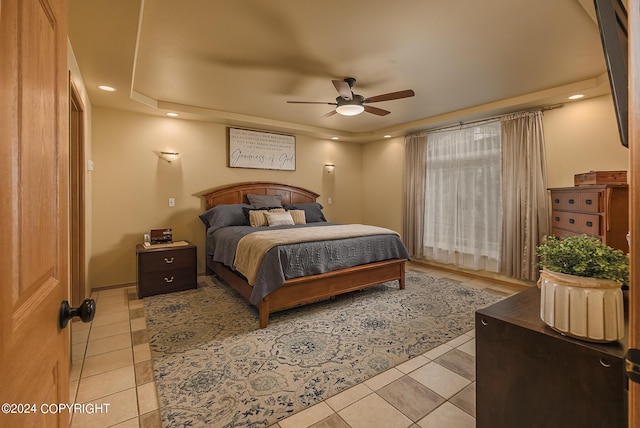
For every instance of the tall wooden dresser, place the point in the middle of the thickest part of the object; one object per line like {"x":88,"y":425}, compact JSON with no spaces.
{"x":600,"y":210}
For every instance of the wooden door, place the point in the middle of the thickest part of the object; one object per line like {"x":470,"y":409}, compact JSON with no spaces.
{"x":34,"y":353}
{"x":634,"y":199}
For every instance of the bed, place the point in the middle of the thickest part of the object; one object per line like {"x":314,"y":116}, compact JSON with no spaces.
{"x":274,"y":291}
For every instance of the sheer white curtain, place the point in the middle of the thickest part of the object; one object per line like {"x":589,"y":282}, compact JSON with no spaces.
{"x":462,"y":223}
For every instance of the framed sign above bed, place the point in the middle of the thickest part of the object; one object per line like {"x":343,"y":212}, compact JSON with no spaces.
{"x":261,"y":150}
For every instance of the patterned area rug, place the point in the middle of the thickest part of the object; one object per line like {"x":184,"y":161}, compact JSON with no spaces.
{"x":215,"y":368}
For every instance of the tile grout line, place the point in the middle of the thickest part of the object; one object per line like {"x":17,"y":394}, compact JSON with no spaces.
{"x":155,"y":386}
{"x":84,"y":356}
{"x":133,"y":359}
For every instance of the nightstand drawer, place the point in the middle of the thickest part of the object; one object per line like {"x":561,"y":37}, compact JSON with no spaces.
{"x":167,"y":281}
{"x":167,"y":260}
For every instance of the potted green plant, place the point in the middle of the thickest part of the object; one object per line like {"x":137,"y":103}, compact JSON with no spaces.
{"x":580,"y":283}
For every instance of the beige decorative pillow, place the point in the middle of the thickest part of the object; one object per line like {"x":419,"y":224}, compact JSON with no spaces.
{"x":298,"y":216}
{"x":259,"y":218}
{"x":279,"y":219}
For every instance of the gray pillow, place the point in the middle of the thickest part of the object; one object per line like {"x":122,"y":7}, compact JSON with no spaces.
{"x":312,"y":211}
{"x":225,"y":215}
{"x":262,"y":201}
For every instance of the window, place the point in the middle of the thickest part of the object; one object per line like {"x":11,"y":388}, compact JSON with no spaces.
{"x":463,"y":196}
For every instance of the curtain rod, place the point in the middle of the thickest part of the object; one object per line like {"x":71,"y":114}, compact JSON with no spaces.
{"x":488,"y":119}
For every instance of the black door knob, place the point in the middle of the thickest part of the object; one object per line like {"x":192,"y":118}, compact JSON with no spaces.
{"x":85,"y":311}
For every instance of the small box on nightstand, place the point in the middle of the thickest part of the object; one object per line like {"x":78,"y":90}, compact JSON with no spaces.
{"x":164,"y":268}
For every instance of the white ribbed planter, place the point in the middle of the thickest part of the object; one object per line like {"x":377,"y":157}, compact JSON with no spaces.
{"x":585,"y":308}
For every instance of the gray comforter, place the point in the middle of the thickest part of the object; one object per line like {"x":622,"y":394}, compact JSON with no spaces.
{"x":295,"y":260}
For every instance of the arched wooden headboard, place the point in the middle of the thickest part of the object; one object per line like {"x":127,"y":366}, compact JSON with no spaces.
{"x":237,"y":193}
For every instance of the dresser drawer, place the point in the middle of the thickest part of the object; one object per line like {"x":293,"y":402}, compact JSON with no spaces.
{"x":589,"y":202}
{"x":167,"y":260}
{"x":589,"y":224}
{"x":561,"y":233}
{"x":565,"y":200}
{"x":564,"y":220}
{"x":576,"y":222}
{"x":152,"y":283}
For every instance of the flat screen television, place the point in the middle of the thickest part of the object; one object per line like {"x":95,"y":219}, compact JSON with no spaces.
{"x":612,"y":21}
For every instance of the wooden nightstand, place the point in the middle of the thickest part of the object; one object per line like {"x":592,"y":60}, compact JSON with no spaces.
{"x":164,"y":269}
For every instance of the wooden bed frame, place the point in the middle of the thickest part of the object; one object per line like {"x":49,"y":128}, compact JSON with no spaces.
{"x":307,"y":289}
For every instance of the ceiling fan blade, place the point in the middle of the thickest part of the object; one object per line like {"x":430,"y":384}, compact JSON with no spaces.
{"x":376,"y":110}
{"x":312,"y":102}
{"x":390,"y":96}
{"x":343,"y":89}
{"x":331,"y":113}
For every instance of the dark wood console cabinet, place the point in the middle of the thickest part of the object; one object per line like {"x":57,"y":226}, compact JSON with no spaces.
{"x":530,"y":376}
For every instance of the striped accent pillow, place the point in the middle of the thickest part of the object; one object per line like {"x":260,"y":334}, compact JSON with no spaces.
{"x":298,"y":216}
{"x":259,"y":218}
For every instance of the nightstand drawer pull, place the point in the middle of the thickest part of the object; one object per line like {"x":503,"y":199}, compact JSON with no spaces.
{"x":168,"y":280}
{"x":572,"y":201}
{"x":588,"y":202}
{"x":589,"y":224}
{"x":168,"y":261}
{"x":572,"y":220}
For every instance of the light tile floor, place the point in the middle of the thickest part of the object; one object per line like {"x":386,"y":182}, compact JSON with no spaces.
{"x":111,"y":363}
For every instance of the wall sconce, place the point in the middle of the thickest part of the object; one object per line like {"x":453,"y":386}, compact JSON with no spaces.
{"x":169,"y":156}
{"x":329,"y":167}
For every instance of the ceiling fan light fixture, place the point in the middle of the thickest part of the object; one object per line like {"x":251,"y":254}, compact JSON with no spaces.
{"x":350,"y":109}
{"x":350,"y":104}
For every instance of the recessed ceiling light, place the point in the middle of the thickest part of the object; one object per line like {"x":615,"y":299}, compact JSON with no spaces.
{"x":576,"y":97}
{"x":172,"y":114}
{"x":335,"y":138}
{"x":387,"y":136}
{"x":107,"y":88}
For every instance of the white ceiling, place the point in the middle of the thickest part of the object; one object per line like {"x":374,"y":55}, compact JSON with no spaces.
{"x":238,"y":62}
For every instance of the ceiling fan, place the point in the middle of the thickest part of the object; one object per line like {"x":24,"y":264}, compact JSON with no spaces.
{"x":350,"y":104}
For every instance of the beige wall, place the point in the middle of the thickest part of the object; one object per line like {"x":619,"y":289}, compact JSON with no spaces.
{"x":131,"y":185}
{"x":579,"y":137}
{"x":382,"y":170}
